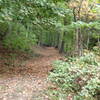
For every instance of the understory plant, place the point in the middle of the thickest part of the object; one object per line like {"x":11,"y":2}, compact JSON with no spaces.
{"x":76,"y":79}
{"x":96,"y":50}
{"x":19,"y":38}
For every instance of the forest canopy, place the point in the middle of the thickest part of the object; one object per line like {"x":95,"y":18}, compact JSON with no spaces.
{"x":65,"y":24}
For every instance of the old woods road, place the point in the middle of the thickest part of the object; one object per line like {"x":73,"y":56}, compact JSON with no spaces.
{"x":23,"y":79}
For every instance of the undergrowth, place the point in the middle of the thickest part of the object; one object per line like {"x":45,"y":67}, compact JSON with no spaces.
{"x":19,"y":38}
{"x":76,"y":79}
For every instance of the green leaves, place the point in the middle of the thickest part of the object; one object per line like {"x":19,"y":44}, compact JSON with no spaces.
{"x":19,"y":38}
{"x":51,"y":21}
{"x":78,"y":76}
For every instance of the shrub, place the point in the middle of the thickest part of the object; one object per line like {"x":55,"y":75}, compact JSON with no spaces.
{"x":96,"y":49}
{"x":19,"y":38}
{"x":79,"y":77}
{"x":3,"y":29}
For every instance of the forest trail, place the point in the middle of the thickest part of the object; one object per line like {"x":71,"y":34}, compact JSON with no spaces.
{"x":26,"y":78}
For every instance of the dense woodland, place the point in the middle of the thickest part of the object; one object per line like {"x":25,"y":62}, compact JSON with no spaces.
{"x":70,"y":26}
{"x":66,"y":25}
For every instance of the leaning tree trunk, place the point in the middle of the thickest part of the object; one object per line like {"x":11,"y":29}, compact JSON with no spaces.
{"x":88,"y":41}
{"x":79,"y":42}
{"x":60,"y":42}
{"x":99,"y":40}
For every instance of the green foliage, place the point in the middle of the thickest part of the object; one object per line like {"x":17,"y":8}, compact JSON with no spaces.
{"x":51,"y":21}
{"x":3,"y":29}
{"x":16,"y":25}
{"x":19,"y":38}
{"x":78,"y":77}
{"x":96,"y":49}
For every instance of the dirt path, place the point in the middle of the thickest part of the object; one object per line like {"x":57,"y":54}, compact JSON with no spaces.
{"x":27,"y":80}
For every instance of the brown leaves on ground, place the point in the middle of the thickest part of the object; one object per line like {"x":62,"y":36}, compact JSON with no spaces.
{"x":23,"y":77}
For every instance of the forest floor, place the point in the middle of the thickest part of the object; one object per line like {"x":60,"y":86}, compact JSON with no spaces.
{"x":23,"y":76}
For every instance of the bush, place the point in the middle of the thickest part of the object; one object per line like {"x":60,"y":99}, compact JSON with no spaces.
{"x":20,"y":38}
{"x":3,"y":29}
{"x":96,"y":49}
{"x":79,"y":77}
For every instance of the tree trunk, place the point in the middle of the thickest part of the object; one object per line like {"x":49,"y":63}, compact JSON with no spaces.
{"x":79,"y":42}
